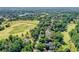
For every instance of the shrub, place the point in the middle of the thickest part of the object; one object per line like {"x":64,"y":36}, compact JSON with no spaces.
{"x":2,"y":27}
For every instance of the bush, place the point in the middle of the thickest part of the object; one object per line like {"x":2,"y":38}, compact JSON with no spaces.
{"x":28,"y":48}
{"x":2,"y":27}
{"x":40,"y":46}
{"x":7,"y":25}
{"x":0,"y":22}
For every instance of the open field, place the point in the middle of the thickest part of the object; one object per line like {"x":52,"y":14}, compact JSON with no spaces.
{"x":18,"y":27}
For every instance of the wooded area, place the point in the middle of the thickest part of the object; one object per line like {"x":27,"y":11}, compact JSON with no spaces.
{"x":39,"y":29}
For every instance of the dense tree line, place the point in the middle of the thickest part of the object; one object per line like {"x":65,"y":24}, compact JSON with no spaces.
{"x":47,"y":39}
{"x":14,"y":44}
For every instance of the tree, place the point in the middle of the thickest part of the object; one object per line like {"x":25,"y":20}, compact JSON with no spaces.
{"x":0,"y":22}
{"x":28,"y":48}
{"x":2,"y":27}
{"x":35,"y":33}
{"x":74,"y":34}
{"x":40,"y":46}
{"x":59,"y":37}
{"x":58,"y":25}
{"x":8,"y":25}
{"x":11,"y":44}
{"x":64,"y":48}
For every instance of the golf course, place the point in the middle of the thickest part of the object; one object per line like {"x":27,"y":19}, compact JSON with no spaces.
{"x":17,"y":28}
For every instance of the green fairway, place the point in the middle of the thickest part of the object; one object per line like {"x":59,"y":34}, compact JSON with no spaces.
{"x":67,"y":38}
{"x":18,"y":27}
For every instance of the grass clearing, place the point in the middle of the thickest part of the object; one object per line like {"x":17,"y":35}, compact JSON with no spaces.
{"x":18,"y":27}
{"x":67,"y":38}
